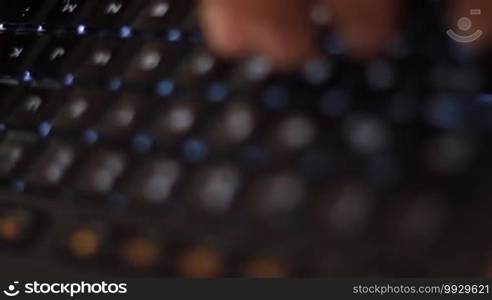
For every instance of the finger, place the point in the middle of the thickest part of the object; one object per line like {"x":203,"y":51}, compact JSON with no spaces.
{"x":469,"y":16}
{"x":285,"y":32}
{"x":223,"y":27}
{"x":278,"y":29}
{"x":365,"y":26}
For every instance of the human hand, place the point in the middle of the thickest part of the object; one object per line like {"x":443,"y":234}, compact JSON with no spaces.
{"x":282,"y":30}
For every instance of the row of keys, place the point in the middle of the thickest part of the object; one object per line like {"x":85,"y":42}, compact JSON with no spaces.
{"x":214,"y":189}
{"x":143,"y":15}
{"x":88,"y":57}
{"x":120,"y":116}
{"x":139,"y":60}
{"x":95,"y":244}
{"x":152,"y":182}
{"x":89,"y":243}
{"x":145,"y":120}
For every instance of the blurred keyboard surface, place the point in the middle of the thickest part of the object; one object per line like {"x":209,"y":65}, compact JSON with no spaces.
{"x":127,"y":148}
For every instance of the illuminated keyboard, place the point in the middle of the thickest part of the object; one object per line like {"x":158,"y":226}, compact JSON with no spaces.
{"x":127,"y":148}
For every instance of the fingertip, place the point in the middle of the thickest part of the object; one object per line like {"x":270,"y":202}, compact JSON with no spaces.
{"x":287,"y":48}
{"x":222,"y":30}
{"x":288,"y":37}
{"x":366,"y":27}
{"x":279,"y":30}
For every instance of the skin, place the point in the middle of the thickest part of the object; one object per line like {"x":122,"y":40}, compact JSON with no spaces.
{"x":282,"y":31}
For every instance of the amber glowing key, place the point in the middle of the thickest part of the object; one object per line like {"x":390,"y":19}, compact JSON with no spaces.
{"x":266,"y":267}
{"x":84,"y":243}
{"x":200,"y":262}
{"x":139,"y":252}
{"x":10,"y":229}
{"x":15,"y":225}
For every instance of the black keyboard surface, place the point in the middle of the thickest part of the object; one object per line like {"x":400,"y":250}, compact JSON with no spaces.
{"x":127,"y":148}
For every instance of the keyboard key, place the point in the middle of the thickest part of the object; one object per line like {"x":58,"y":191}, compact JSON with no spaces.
{"x":101,"y":172}
{"x":111,"y":13}
{"x":276,"y":195}
{"x":233,"y":126}
{"x":266,"y":267}
{"x":139,"y":252}
{"x":123,"y":117}
{"x":66,"y":12}
{"x":253,"y":70}
{"x":85,"y":242}
{"x":153,"y":61}
{"x":157,"y":14}
{"x":154,"y":181}
{"x":367,"y":134}
{"x":54,"y":163}
{"x":317,"y":71}
{"x":102,"y":58}
{"x":213,"y":189}
{"x":201,"y":262}
{"x":54,"y":59}
{"x":80,"y":110}
{"x":176,"y":120}
{"x":345,"y":210}
{"x":294,"y":133}
{"x":33,"y":107}
{"x":16,"y":149}
{"x":10,"y":155}
{"x":199,"y":65}
{"x":18,"y":226}
{"x":17,"y":52}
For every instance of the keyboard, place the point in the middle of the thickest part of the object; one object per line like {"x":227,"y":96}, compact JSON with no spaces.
{"x":127,"y":148}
